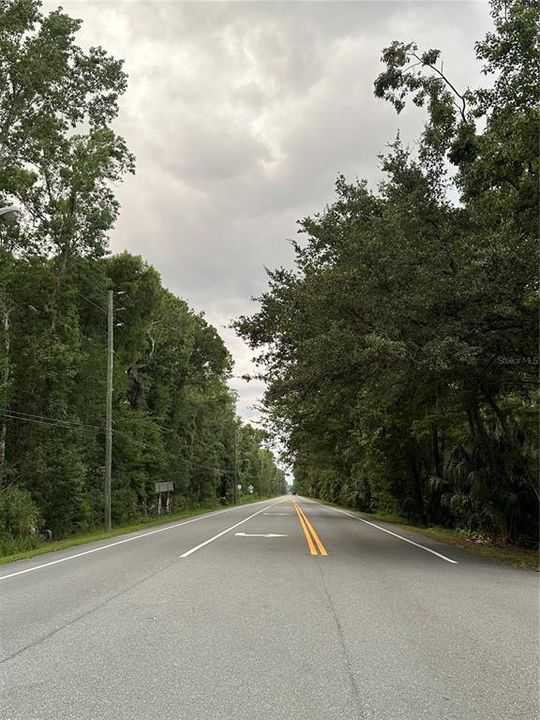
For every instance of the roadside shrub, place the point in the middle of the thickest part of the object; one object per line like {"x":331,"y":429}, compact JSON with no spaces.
{"x":19,"y":521}
{"x":19,"y":516}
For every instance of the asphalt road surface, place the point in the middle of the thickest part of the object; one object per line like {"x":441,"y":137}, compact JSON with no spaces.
{"x":281,"y":610}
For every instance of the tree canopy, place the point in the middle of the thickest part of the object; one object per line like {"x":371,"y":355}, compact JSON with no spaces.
{"x":400,"y":351}
{"x":174,"y":414}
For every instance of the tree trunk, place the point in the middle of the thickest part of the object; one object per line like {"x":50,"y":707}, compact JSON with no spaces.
{"x":437,"y":454}
{"x":417,"y":495}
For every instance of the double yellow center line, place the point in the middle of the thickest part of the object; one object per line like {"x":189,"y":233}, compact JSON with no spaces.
{"x":309,"y":531}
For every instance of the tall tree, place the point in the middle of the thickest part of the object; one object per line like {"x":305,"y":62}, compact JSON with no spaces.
{"x":174,"y":415}
{"x":399,"y":352}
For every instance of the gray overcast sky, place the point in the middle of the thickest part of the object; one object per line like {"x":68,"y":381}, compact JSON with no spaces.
{"x":241,"y":114}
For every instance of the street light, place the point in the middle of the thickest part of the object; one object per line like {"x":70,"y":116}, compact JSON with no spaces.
{"x":9,"y":213}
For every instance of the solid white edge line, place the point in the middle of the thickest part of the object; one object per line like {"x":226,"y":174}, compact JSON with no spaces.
{"x":411,"y":542}
{"x":125,"y":540}
{"x":223,"y":532}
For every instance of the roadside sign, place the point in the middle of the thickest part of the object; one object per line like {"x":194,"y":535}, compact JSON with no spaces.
{"x":164,"y":501}
{"x":250,"y":488}
{"x":164,"y":487}
{"x":239,"y":487}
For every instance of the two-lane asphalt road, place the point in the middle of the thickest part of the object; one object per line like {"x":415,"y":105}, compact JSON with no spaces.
{"x":281,"y":610}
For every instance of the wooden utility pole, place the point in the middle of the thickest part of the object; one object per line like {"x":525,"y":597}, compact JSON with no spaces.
{"x":108,"y":414}
{"x":235,"y":489}
{"x":5,"y":383}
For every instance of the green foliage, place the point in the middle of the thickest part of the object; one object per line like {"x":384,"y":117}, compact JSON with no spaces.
{"x":174,"y":415}
{"x":58,"y":151}
{"x":19,"y":515}
{"x":400,"y":352}
{"x":19,"y":521}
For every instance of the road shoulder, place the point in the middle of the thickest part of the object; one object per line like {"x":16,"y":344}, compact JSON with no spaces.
{"x":517,"y":557}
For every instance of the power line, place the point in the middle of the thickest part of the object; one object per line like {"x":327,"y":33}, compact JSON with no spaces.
{"x":155,"y":424}
{"x":66,"y":426}
{"x":118,"y":291}
{"x":122,"y":293}
{"x":125,"y":293}
{"x":152,"y":447}
{"x":24,"y":415}
{"x":90,"y":301}
{"x":73,"y":425}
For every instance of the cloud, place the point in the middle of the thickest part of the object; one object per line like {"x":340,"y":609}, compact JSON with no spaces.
{"x":241,"y":115}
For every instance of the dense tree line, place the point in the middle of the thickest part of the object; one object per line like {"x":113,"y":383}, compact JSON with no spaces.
{"x":401,"y":351}
{"x":174,"y":415}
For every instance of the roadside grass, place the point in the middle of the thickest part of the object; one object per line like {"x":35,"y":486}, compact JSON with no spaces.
{"x":84,"y":538}
{"x":519,"y":557}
